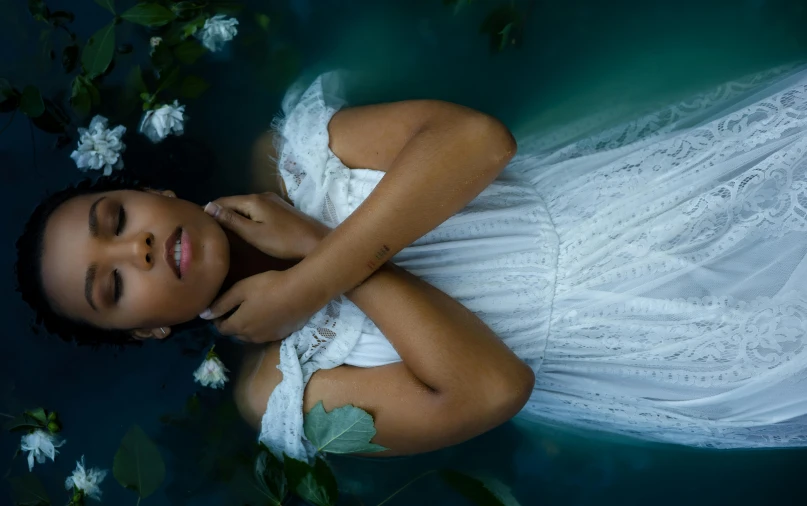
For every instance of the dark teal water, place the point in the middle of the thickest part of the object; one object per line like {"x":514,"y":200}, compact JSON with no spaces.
{"x":578,"y":58}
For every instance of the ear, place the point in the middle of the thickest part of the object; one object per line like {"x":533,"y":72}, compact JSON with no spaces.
{"x":157,"y":333}
{"x":164,"y":193}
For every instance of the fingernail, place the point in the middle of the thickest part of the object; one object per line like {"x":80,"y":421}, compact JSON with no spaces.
{"x":206,"y":314}
{"x":212,"y":209}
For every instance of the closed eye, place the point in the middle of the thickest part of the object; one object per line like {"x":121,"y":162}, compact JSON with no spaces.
{"x":118,"y":286}
{"x":121,"y":221}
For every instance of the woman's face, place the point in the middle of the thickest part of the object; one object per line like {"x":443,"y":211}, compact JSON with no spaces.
{"x":132,"y":260}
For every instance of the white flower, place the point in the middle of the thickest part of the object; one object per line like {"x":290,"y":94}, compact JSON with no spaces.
{"x":217,"y":31}
{"x":211,"y":373}
{"x":40,"y":444}
{"x":158,"y":123}
{"x":86,"y":481}
{"x":154,"y":42}
{"x":100,"y":148}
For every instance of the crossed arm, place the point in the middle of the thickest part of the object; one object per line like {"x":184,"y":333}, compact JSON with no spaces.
{"x":456,"y":378}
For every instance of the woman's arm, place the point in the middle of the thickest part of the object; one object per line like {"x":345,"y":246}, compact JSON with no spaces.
{"x":457,"y":379}
{"x":437,"y":157}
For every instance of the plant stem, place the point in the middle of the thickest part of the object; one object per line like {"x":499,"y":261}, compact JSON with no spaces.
{"x":6,"y":415}
{"x":413,"y":480}
{"x":138,"y":501}
{"x":13,"y":114}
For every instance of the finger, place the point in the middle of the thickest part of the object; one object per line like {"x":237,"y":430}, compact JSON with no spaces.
{"x":236,"y":219}
{"x":224,"y":304}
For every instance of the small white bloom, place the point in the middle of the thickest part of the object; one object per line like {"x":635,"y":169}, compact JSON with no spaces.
{"x":158,"y":123}
{"x":40,"y":445}
{"x":217,"y":31}
{"x":86,"y":480}
{"x":154,"y":42}
{"x":100,"y":148}
{"x":211,"y":373}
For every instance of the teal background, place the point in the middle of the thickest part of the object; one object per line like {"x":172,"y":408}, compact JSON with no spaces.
{"x":578,"y":58}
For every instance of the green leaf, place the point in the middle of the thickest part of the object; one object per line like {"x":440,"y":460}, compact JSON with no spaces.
{"x":193,"y":87}
{"x":270,"y":478}
{"x":319,"y":487}
{"x":138,"y":464}
{"x":193,"y":26}
{"x":168,"y":80}
{"x":344,"y":430}
{"x":107,"y":4}
{"x":32,"y":105}
{"x":9,"y":97}
{"x":38,"y":10}
{"x":505,"y":33}
{"x":54,"y":120}
{"x":149,"y":14}
{"x":23,"y":422}
{"x":99,"y":51}
{"x":28,"y":491}
{"x":37,"y":414}
{"x":60,"y":18}
{"x":80,"y":98}
{"x":295,"y":470}
{"x":471,"y":488}
{"x":262,"y":20}
{"x":189,"y":51}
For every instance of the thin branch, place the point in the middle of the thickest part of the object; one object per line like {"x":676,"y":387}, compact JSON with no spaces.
{"x":7,"y":415}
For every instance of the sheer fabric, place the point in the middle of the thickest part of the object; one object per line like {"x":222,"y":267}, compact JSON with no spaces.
{"x":652,"y":274}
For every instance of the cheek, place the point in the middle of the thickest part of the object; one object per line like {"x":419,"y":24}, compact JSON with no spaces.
{"x":147,"y":305}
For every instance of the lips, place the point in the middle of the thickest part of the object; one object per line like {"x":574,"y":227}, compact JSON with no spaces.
{"x":168,"y":252}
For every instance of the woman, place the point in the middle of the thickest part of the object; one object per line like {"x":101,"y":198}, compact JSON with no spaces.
{"x":645,"y":281}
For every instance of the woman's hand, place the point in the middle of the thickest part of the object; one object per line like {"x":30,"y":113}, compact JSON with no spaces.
{"x":274,"y":304}
{"x":270,"y":224}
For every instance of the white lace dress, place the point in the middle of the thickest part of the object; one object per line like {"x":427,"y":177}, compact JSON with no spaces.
{"x":653,"y":275}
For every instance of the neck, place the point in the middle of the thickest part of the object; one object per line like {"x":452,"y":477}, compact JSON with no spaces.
{"x":246,"y":260}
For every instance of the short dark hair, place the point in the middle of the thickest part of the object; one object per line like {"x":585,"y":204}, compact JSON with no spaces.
{"x":29,"y":265}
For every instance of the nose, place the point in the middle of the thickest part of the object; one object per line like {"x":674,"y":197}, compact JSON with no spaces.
{"x":138,"y":250}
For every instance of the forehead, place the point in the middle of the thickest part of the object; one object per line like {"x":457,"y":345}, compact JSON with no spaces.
{"x":66,"y":253}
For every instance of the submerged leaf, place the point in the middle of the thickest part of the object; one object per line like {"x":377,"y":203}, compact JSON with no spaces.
{"x":107,"y":4}
{"x":149,"y":14}
{"x":28,"y":491}
{"x":38,"y":10}
{"x":9,"y":97}
{"x":316,"y":484}
{"x":99,"y":51}
{"x":138,"y":464}
{"x":54,"y":120}
{"x":32,"y":105}
{"x":189,"y":51}
{"x":262,"y":20}
{"x":193,"y":87}
{"x":471,"y":488}
{"x":344,"y":430}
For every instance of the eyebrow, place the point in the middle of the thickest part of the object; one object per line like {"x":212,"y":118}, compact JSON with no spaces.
{"x":89,"y":280}
{"x":93,"y":220}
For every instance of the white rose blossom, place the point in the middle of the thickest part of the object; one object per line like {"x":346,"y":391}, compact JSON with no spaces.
{"x":217,"y":30}
{"x":100,"y":148}
{"x":154,"y":42}
{"x":40,"y":445}
{"x":212,"y":372}
{"x":157,"y":124}
{"x":86,"y":480}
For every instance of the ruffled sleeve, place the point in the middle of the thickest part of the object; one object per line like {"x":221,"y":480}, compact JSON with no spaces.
{"x":317,"y":183}
{"x":316,"y":180}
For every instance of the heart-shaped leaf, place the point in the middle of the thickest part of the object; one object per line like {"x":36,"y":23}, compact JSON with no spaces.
{"x":107,"y":4}
{"x":28,"y":491}
{"x":80,"y":98}
{"x":344,"y":430}
{"x":99,"y":51}
{"x":149,"y":14}
{"x":189,"y":51}
{"x":23,"y":422}
{"x":32,"y":105}
{"x":138,"y":464}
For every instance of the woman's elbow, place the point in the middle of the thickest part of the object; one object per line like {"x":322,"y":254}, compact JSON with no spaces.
{"x":496,"y":138}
